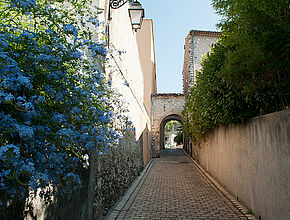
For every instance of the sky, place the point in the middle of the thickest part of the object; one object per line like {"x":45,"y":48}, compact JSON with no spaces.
{"x":172,"y":21}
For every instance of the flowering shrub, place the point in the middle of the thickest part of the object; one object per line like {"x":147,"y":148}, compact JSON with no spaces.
{"x":55,"y":105}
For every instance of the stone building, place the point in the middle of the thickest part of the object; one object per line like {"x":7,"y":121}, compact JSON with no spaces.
{"x":167,"y":107}
{"x":197,"y":44}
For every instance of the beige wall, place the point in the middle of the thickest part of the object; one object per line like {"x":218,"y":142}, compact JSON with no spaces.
{"x":145,"y":40}
{"x":252,"y":160}
{"x":133,"y":71}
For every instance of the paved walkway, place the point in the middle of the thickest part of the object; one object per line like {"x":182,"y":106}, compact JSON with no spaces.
{"x":173,"y":187}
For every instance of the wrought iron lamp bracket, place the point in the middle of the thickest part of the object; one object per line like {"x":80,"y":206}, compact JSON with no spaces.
{"x":115,"y":4}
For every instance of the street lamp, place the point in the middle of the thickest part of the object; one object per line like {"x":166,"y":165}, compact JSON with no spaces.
{"x":136,"y":12}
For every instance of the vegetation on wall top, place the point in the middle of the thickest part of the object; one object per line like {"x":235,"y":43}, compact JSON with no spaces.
{"x":247,"y":72}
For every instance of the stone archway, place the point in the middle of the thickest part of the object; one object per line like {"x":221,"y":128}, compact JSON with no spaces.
{"x":165,"y":107}
{"x":162,"y":125}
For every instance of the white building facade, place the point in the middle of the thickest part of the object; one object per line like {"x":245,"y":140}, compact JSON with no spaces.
{"x":131,"y":68}
{"x":197,"y":45}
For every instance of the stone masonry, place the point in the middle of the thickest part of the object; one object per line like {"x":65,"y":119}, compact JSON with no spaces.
{"x":197,"y":44}
{"x":164,"y":106}
{"x":108,"y":176}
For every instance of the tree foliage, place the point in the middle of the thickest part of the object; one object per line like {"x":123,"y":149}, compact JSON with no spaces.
{"x":179,"y":138}
{"x":247,"y":72}
{"x":55,"y":104}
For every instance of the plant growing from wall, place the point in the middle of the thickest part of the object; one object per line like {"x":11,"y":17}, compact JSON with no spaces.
{"x":55,"y":104}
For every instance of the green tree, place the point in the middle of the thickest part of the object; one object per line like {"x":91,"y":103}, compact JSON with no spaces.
{"x":179,"y":138}
{"x":257,"y":60}
{"x":247,"y":72}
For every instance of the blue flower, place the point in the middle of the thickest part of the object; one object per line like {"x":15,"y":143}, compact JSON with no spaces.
{"x":23,"y":4}
{"x":73,"y":177}
{"x":98,"y":49}
{"x":94,"y":21}
{"x":58,"y":118}
{"x":25,"y":131}
{"x":76,"y":110}
{"x":9,"y":97}
{"x":65,"y":132}
{"x":9,"y":147}
{"x":3,"y":43}
{"x":27,"y":34}
{"x":70,"y":29}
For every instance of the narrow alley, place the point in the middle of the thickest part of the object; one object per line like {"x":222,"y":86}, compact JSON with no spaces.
{"x":174,"y":187}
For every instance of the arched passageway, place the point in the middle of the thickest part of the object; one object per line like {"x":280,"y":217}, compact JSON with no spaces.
{"x":165,"y":108}
{"x":165,"y":121}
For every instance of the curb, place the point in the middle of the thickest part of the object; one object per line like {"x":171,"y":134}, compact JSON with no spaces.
{"x":206,"y":175}
{"x":123,"y":203}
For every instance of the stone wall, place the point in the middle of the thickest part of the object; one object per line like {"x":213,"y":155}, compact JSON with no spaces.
{"x":107,"y":178}
{"x":202,"y":42}
{"x":187,"y":71}
{"x":252,"y":160}
{"x":164,"y":105}
{"x":197,"y":44}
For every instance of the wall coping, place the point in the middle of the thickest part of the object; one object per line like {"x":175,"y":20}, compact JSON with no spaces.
{"x":167,"y":94}
{"x":205,"y":33}
{"x":271,"y":114}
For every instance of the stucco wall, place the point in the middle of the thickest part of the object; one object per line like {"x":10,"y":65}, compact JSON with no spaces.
{"x":197,"y":44}
{"x":130,"y":74}
{"x":163,"y":105}
{"x":145,"y":40}
{"x":201,"y":45}
{"x":252,"y":160}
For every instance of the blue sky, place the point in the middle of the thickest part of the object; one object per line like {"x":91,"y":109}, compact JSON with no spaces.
{"x":172,"y":22}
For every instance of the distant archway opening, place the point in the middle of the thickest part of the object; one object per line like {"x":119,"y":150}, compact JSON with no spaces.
{"x":171,"y":132}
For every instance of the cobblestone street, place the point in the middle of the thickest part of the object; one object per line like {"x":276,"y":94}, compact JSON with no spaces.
{"x":173,"y":187}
